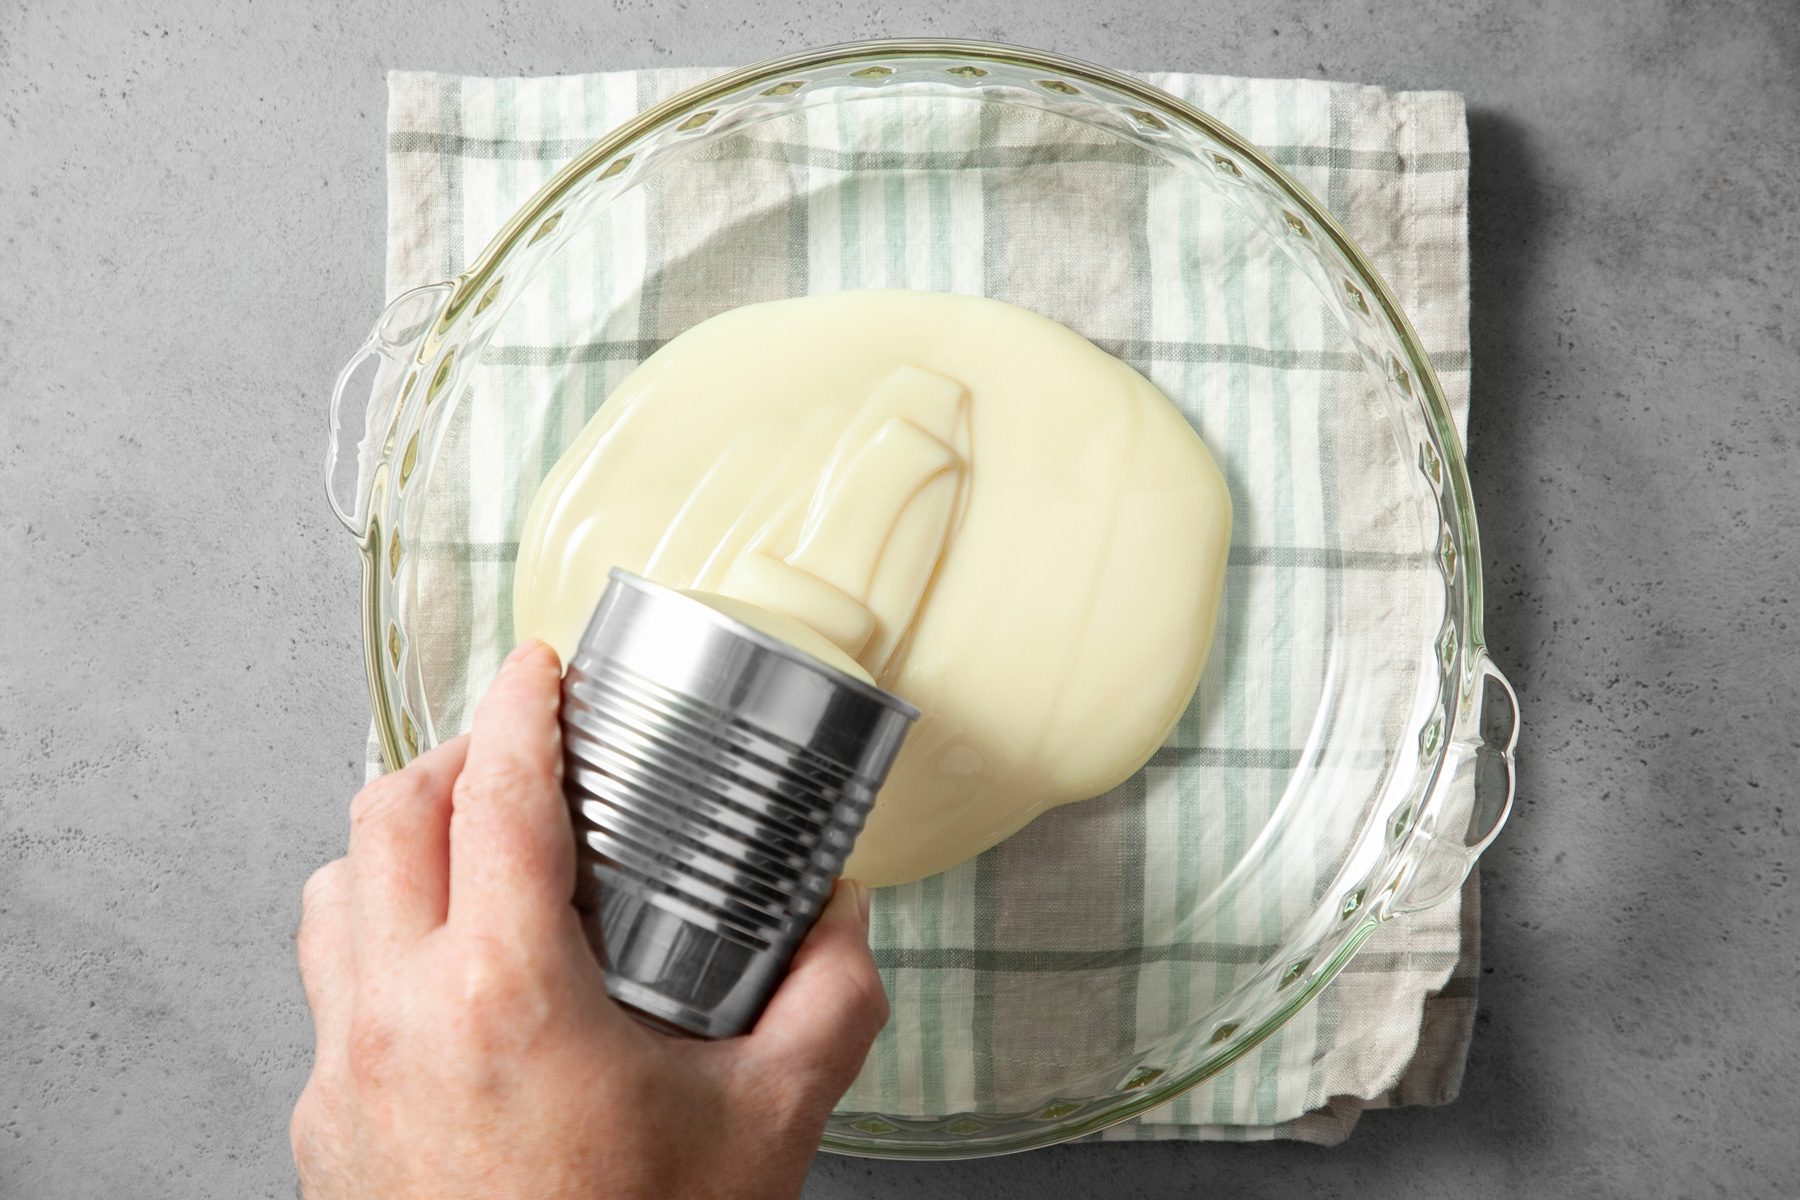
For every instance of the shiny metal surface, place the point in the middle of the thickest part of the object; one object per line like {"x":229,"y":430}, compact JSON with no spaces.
{"x":717,"y":779}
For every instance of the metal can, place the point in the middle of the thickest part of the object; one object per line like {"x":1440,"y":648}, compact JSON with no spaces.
{"x":717,"y":779}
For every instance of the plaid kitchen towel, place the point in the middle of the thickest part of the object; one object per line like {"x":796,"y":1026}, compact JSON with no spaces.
{"x":1393,"y":1028}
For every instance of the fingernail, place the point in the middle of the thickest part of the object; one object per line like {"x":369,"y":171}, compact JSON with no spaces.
{"x":520,"y":651}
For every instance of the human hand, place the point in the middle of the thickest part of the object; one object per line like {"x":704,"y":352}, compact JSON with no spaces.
{"x":466,"y":1043}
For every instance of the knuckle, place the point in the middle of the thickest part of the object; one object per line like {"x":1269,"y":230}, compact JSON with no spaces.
{"x":320,"y":887}
{"x":868,"y":999}
{"x":489,"y":979}
{"x":300,"y":1135}
{"x":316,"y":1137}
{"x":467,"y":792}
{"x":314,"y":935}
{"x":311,"y":942}
{"x":303,"y":1125}
{"x":500,"y":779}
{"x":378,"y":795}
{"x":860,"y":1002}
{"x":502,"y":1000}
{"x":496,"y":813}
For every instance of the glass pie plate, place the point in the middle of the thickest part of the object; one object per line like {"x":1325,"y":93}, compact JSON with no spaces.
{"x":1349,"y":751}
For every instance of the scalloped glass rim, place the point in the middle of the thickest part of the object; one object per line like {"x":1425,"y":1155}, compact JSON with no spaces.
{"x":1147,"y":116}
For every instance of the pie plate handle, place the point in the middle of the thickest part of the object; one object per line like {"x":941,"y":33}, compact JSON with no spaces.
{"x":374,"y":377}
{"x":1473,"y":795}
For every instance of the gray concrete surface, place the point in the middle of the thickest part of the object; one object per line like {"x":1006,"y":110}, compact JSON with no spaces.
{"x":191,"y":203}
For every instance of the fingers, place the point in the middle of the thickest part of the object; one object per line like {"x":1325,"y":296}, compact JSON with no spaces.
{"x":826,"y":1013}
{"x":327,"y":961}
{"x":512,"y":852}
{"x":400,"y":851}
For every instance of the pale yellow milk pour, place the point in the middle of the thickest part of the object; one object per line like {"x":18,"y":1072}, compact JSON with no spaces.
{"x":960,"y":500}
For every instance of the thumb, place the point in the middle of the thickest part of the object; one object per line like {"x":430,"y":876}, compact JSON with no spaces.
{"x":826,"y":1013}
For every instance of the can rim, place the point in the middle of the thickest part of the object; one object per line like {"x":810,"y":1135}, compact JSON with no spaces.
{"x":766,"y":641}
